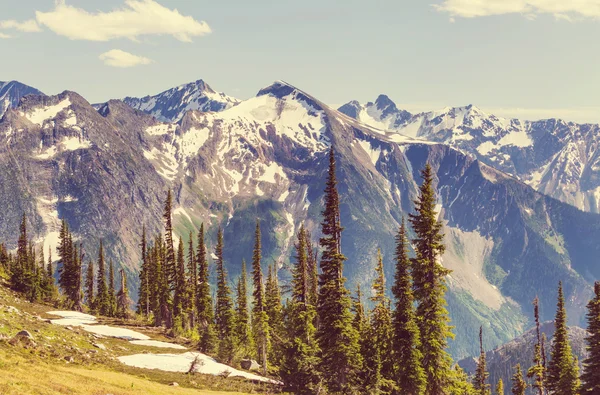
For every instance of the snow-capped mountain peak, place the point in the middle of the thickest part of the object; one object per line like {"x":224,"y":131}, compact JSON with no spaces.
{"x":172,"y":104}
{"x":11,"y":93}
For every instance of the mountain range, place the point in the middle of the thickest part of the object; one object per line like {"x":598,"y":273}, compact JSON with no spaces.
{"x":106,"y":169}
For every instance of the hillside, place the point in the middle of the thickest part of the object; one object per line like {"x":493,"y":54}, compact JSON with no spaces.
{"x":57,"y":359}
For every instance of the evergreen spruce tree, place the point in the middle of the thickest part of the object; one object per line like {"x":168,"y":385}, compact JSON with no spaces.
{"x":191,"y":287}
{"x":500,"y":387}
{"x":538,"y":372}
{"x":381,"y":331}
{"x":89,"y":286}
{"x":481,"y":374}
{"x":313,"y":272}
{"x":19,"y":272}
{"x":123,"y":300}
{"x":338,"y":340}
{"x":143,"y":305}
{"x":204,"y":304}
{"x":260,"y":319}
{"x":112,"y":297}
{"x":274,"y":312}
{"x":562,"y":376}
{"x":242,"y":321}
{"x":408,"y":372}
{"x":224,"y":315}
{"x":170,"y":263}
{"x":367,"y":368}
{"x":102,"y":303}
{"x":591,"y":365}
{"x":429,"y":287}
{"x":300,"y":361}
{"x":519,"y":386}
{"x":180,"y":288}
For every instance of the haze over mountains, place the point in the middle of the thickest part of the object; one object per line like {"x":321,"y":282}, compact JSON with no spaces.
{"x":510,"y":191}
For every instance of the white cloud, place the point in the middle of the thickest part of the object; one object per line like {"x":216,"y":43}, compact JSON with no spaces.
{"x":2,"y":35}
{"x":28,"y":26}
{"x":136,"y":18}
{"x":560,"y":9}
{"x":119,"y":58}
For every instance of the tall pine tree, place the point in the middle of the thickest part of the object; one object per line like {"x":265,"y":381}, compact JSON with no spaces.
{"x":381,"y":330}
{"x":338,"y":340}
{"x":89,"y":286}
{"x":481,"y":374}
{"x":204,"y":305}
{"x":260,"y":319}
{"x":242,"y":321}
{"x":519,"y":386}
{"x":300,"y":361}
{"x":563,"y":374}
{"x":143,"y":306}
{"x":430,"y":286}
{"x":591,"y":365}
{"x":538,"y":371}
{"x":102,"y":303}
{"x":224,"y":315}
{"x":408,"y":372}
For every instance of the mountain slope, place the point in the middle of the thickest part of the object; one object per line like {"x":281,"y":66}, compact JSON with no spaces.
{"x":172,"y":104}
{"x":11,"y":92}
{"x":107,"y":171}
{"x":502,"y":360}
{"x":555,"y":157}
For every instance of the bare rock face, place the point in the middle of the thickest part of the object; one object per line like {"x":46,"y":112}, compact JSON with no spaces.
{"x":106,"y":172}
{"x":11,"y":93}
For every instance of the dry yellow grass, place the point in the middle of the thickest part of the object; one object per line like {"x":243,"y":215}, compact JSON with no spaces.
{"x":20,"y":376}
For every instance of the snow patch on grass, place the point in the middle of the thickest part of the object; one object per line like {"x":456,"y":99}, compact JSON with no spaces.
{"x":182,"y":363}
{"x":156,"y":343}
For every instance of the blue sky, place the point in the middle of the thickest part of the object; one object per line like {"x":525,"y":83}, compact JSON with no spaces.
{"x":523,"y":58}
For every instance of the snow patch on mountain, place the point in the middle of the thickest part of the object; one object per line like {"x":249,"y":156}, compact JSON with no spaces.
{"x":40,"y":114}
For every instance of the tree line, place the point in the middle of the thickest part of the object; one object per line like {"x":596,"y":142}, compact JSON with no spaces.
{"x":321,"y":340}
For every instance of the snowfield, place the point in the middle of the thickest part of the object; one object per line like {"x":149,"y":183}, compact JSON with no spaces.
{"x":182,"y":363}
{"x":156,"y":343}
{"x":164,"y":362}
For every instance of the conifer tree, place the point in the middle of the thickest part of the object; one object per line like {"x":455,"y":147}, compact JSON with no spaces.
{"x":369,"y":375}
{"x":243,"y":328}
{"x":89,"y":286}
{"x":519,"y":386}
{"x":123,"y":300}
{"x":338,"y":340}
{"x":591,"y":365}
{"x":562,"y":374}
{"x":19,"y":272}
{"x":143,"y":306}
{"x":500,"y":387}
{"x":102,"y":303}
{"x":112,"y":296}
{"x":260,"y":319}
{"x":538,"y":371}
{"x":409,"y":373}
{"x":180,"y":287}
{"x":224,"y":315}
{"x":204,"y":305}
{"x":430,"y":287}
{"x":191,"y":288}
{"x":381,"y":328}
{"x":313,"y":272}
{"x":49,"y":288}
{"x":481,"y":374}
{"x":300,"y":361}
{"x":170,"y":264}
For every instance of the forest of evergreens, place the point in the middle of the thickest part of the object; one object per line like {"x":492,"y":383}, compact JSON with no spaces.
{"x":317,"y":338}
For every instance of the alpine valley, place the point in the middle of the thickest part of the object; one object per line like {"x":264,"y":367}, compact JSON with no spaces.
{"x":518,"y":199}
